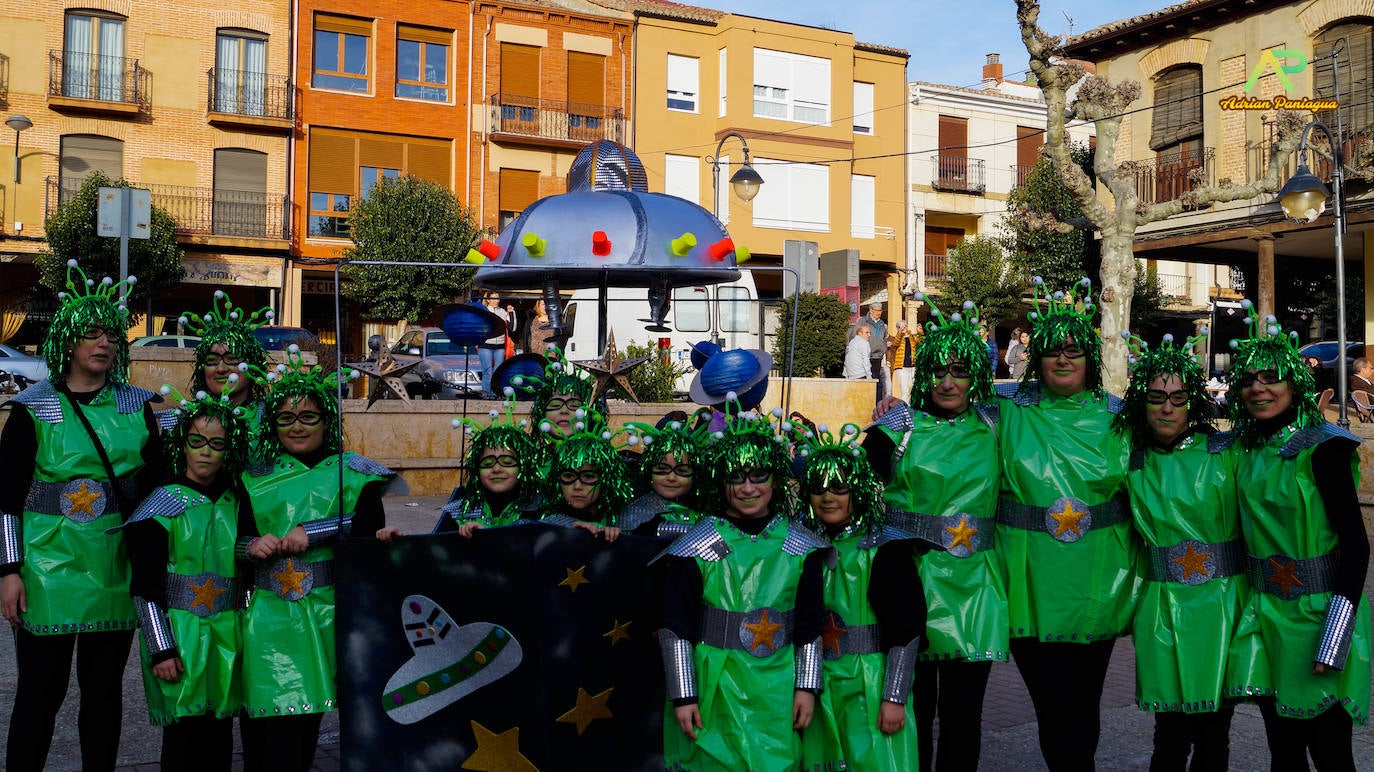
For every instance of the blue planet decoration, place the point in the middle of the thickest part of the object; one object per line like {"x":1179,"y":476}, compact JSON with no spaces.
{"x":702,"y":351}
{"x":529,"y":367}
{"x":742,"y":371}
{"x":468,"y":324}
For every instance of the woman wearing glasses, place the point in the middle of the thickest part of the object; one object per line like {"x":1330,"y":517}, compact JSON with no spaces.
{"x":227,"y":351}
{"x":503,"y":481}
{"x":312,"y":494}
{"x":1303,"y":644}
{"x":593,"y":482}
{"x":668,"y":467}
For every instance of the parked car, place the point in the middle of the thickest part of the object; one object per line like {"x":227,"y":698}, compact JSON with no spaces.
{"x":445,"y":370}
{"x":167,"y":341}
{"x":1325,"y":350}
{"x":278,"y":338}
{"x":16,"y":362}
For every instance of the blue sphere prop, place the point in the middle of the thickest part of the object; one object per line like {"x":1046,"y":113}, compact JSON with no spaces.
{"x":467,"y":324}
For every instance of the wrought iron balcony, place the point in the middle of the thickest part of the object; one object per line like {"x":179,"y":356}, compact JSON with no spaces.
{"x":958,"y":173}
{"x":1020,"y":173}
{"x":549,"y":119}
{"x":205,"y":211}
{"x":252,"y":95}
{"x":1171,"y":174}
{"x":111,"y":79}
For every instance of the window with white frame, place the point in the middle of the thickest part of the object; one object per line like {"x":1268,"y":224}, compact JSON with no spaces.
{"x":681,"y":177}
{"x":683,"y":83}
{"x":862,"y":202}
{"x":791,"y":87}
{"x":724,"y":78}
{"x":797,"y":196}
{"x":863,"y":108}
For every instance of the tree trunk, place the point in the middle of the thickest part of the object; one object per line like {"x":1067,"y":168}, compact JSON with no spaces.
{"x":1118,"y":283}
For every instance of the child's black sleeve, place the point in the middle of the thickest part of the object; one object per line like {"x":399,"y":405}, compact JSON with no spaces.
{"x":897,"y":596}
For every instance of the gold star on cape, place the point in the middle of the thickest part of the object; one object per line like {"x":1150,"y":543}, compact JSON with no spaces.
{"x":290,"y":578}
{"x":1284,"y":577}
{"x":575,"y":579}
{"x":962,"y":533}
{"x":1193,"y":562}
{"x":386,"y":372}
{"x":587,"y":709}
{"x":497,"y":752}
{"x":611,"y":368}
{"x":1068,"y":518}
{"x":619,"y":632}
{"x":831,"y":633}
{"x":764,"y":631}
{"x":205,"y":594}
{"x":83,"y":499}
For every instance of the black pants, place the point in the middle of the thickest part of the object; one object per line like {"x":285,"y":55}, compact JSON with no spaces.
{"x":199,"y":744}
{"x":44,"y":664}
{"x":280,"y":743}
{"x":1065,"y":684}
{"x":1326,"y":737}
{"x":1206,"y":735}
{"x":953,"y":690}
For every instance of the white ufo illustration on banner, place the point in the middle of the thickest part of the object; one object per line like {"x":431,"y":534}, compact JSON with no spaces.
{"x":451,"y":661}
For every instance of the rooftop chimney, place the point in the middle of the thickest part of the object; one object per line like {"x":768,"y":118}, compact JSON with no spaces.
{"x":992,"y":71}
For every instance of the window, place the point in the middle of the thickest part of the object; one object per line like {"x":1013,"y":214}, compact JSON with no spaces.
{"x":724,"y":78}
{"x":422,"y":63}
{"x":329,"y":215}
{"x":683,"y":83}
{"x":1175,"y":133}
{"x":863,"y":108}
{"x":518,"y":188}
{"x":344,"y":167}
{"x":240,"y":196}
{"x":86,"y":153}
{"x":797,"y":196}
{"x":586,"y":95}
{"x":240,"y":72}
{"x":682,"y":177}
{"x":951,"y":161}
{"x":691,"y":309}
{"x":93,"y":65}
{"x":1028,"y":142}
{"x":342,"y":53}
{"x":862,"y":202}
{"x":369,"y":176}
{"x":1356,"y":81}
{"x":791,"y":87}
{"x":733,"y":309}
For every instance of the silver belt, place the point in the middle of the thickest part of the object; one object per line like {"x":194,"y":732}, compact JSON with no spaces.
{"x":1067,"y":519}
{"x":760,"y":632}
{"x":839,"y":639}
{"x":201,"y":594}
{"x":81,"y":500}
{"x":1290,"y":578}
{"x":1195,"y":562}
{"x":961,"y":535}
{"x":292,"y":579}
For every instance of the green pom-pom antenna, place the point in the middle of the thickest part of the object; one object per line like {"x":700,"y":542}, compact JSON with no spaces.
{"x":1169,"y":358}
{"x":949,"y":338}
{"x":1064,"y":315}
{"x":233,"y":327}
{"x":293,"y":381}
{"x":85,"y":305}
{"x":749,"y":440}
{"x":1268,"y":348}
{"x":831,"y":460}
{"x":505,"y":431}
{"x":232,"y":417}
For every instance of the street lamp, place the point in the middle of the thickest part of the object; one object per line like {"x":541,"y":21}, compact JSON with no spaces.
{"x":18,"y":123}
{"x":744,"y":182}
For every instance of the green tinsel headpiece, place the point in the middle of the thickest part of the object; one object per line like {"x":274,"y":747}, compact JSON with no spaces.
{"x":1066,"y":315}
{"x":232,"y":327}
{"x":749,"y":440}
{"x":229,"y":415}
{"x":1168,"y":359}
{"x":1267,"y":348}
{"x":294,"y":381}
{"x":594,"y":448}
{"x":830,"y":460}
{"x":947,"y":339}
{"x":560,"y":377}
{"x":685,"y":440}
{"x":84,"y":305}
{"x":506,"y":432}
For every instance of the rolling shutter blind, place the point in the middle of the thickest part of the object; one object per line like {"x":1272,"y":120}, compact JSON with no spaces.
{"x":586,"y":78}
{"x":429,"y":162}
{"x":520,"y":70}
{"x":519,"y":189}
{"x":333,"y":163}
{"x":1178,"y":107}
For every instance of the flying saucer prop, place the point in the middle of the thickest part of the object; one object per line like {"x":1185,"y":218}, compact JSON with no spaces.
{"x":741,"y":371}
{"x":469,"y":324}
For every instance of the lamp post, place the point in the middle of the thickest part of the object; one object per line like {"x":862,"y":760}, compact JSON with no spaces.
{"x":744,"y":182}
{"x":18,"y":123}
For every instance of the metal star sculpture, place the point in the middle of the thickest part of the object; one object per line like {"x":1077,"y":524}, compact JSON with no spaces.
{"x":386,"y":373}
{"x":611,"y":368}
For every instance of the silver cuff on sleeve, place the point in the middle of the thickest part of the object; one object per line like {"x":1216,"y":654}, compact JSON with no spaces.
{"x":901,"y":671}
{"x":11,"y":539}
{"x":327,"y":529}
{"x":157,"y":628}
{"x":1334,"y":646}
{"x":808,"y":664}
{"x":679,"y":667}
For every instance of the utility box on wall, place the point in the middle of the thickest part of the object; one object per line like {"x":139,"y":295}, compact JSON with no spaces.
{"x":803,"y":257}
{"x":840,"y":276}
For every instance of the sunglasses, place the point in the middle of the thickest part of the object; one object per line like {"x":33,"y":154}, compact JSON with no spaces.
{"x":96,"y":333}
{"x":755,"y":476}
{"x":212,"y":361}
{"x":509,"y":462}
{"x":663,"y":470}
{"x":308,"y":418}
{"x":957,"y":371}
{"x":572,"y":476}
{"x":1264,"y":377}
{"x":835,"y":488}
{"x":1158,"y":397}
{"x":1068,"y":352}
{"x":555,"y":405}
{"x":198,"y":441}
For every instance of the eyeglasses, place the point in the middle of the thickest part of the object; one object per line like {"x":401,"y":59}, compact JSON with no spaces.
{"x":956,"y":370}
{"x":509,"y":462}
{"x":834,"y":488}
{"x":587,"y":477}
{"x":212,"y":361}
{"x":308,"y":418}
{"x":198,"y":441}
{"x":663,"y":470}
{"x":1158,"y":397}
{"x":555,"y":405}
{"x":755,"y":476}
{"x":96,"y":333}
{"x":1264,"y":377}
{"x":1068,"y":352}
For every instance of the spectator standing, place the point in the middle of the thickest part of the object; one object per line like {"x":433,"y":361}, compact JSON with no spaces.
{"x":1363,"y":379}
{"x":901,"y":354}
{"x":877,"y":344}
{"x":986,"y":335}
{"x":492,"y":352}
{"x":1018,"y":354}
{"x":856,"y":354}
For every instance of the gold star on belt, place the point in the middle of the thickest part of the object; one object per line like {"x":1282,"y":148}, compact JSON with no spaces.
{"x":1068,"y":519}
{"x":1193,"y":562}
{"x":207,"y":593}
{"x":587,"y":709}
{"x":83,"y":499}
{"x":290,"y":578}
{"x":497,"y":752}
{"x":619,"y":632}
{"x":962,"y":533}
{"x":574,"y":579}
{"x":764,"y":631}
{"x":831,"y":633}
{"x":1283,"y":575}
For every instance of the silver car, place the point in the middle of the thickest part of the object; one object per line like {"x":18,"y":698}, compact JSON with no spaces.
{"x":445,"y":370}
{"x":16,"y":362}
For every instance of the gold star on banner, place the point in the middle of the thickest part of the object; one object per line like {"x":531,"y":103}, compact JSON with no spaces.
{"x":587,"y":709}
{"x":1193,"y":562}
{"x":1068,"y":518}
{"x":962,"y":533}
{"x":497,"y":752}
{"x":290,"y":578}
{"x":764,"y":631}
{"x":611,"y":368}
{"x":831,"y":633}
{"x":1283,"y":576}
{"x":619,"y":632}
{"x":205,"y":594}
{"x":83,"y":499}
{"x":575,"y":579}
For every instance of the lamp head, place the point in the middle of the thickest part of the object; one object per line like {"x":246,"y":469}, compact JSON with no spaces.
{"x":19,"y":122}
{"x":746,"y":182}
{"x":1303,"y":197}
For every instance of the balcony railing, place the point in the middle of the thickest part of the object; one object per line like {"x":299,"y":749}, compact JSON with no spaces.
{"x":1020,"y":173}
{"x":936,"y":268}
{"x":1169,"y":175}
{"x":98,"y":78}
{"x":1176,"y":286}
{"x":251,"y":94}
{"x":205,"y":211}
{"x":958,"y":173}
{"x":549,"y":119}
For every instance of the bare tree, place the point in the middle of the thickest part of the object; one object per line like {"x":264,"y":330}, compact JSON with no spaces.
{"x":1104,"y":103}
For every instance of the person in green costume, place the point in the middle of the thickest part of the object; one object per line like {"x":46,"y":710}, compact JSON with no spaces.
{"x":669,"y":460}
{"x":557,"y":396}
{"x":185,"y":589}
{"x":941,"y":461}
{"x":742,"y":614}
{"x":505,"y":483}
{"x":1183,"y":503}
{"x":80,"y":450}
{"x":310,"y":496}
{"x":874,"y":614}
{"x":226,"y":354}
{"x":1302,"y":647}
{"x":593,"y":482}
